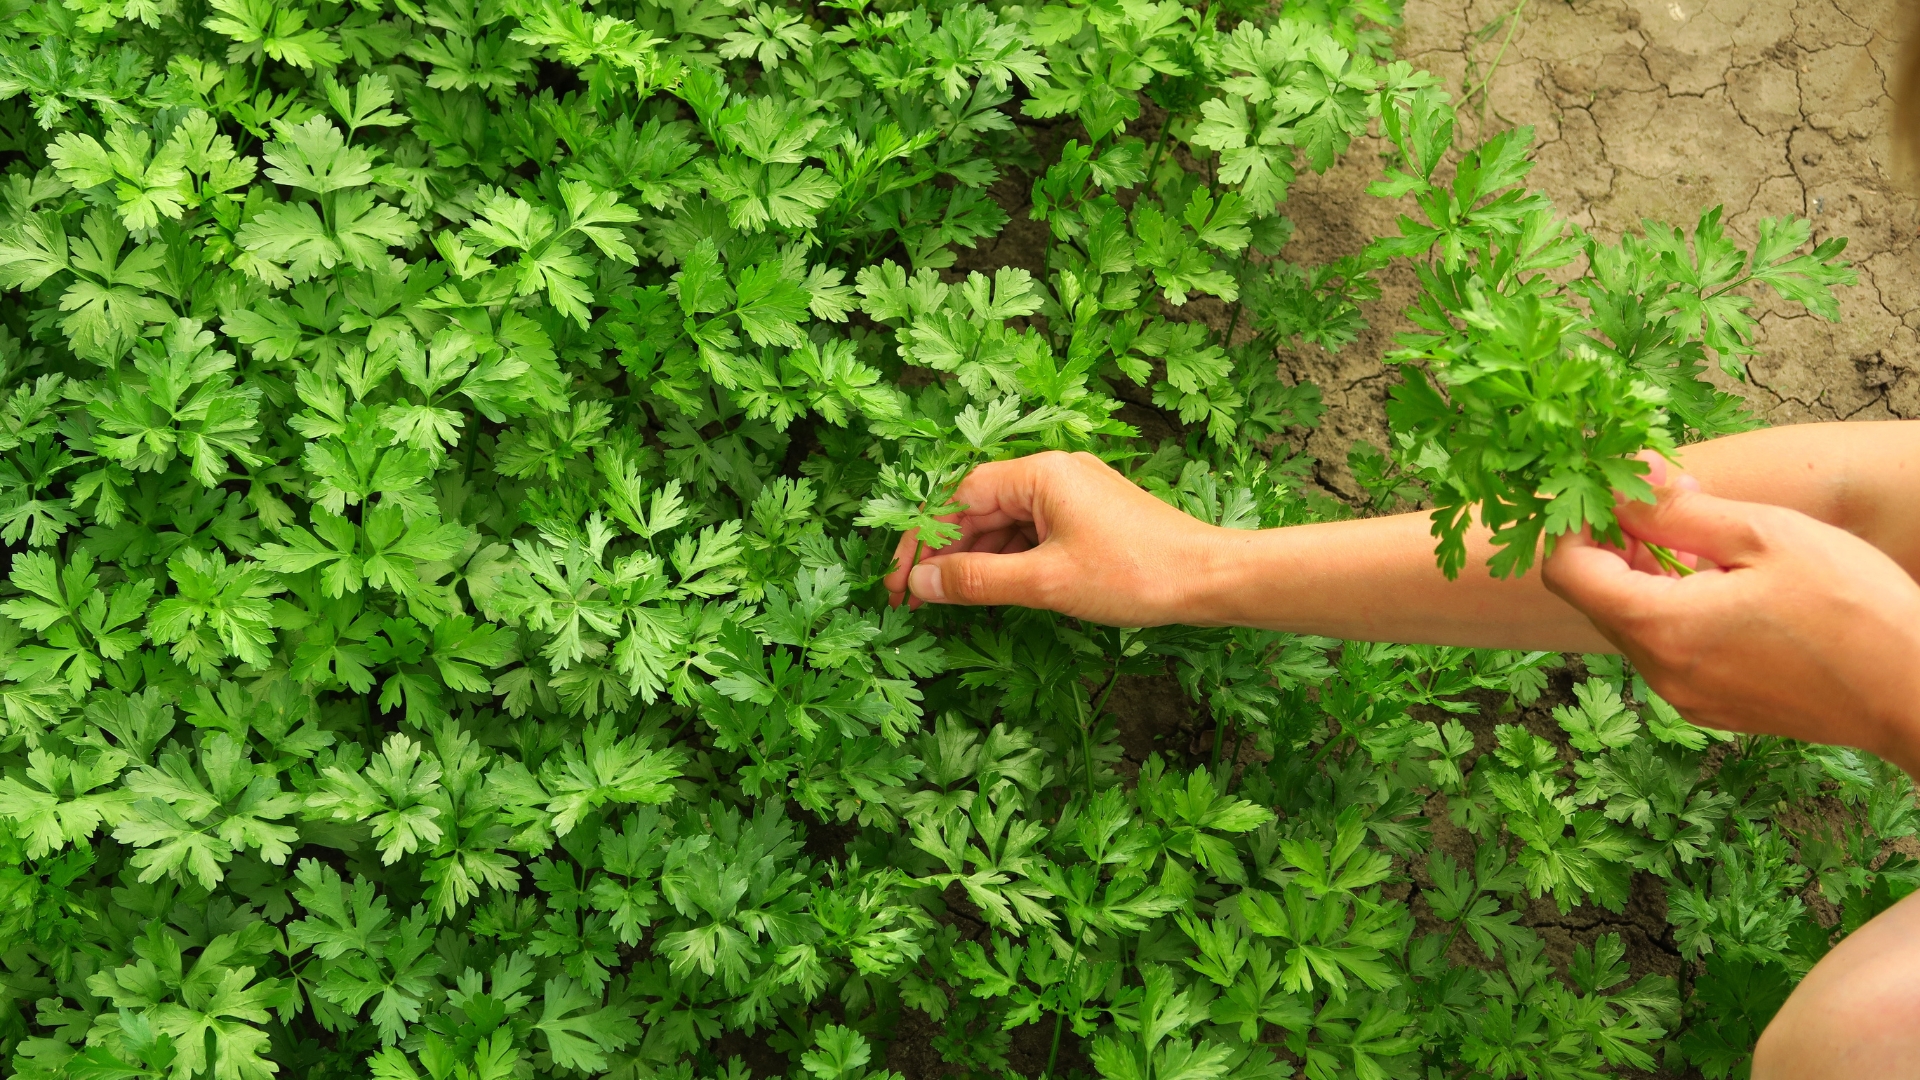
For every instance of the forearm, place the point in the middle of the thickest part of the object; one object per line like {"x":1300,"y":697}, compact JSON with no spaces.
{"x":1861,"y":477}
{"x":1375,"y":579}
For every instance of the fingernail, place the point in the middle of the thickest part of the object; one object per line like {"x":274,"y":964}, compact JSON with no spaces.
{"x":1656,"y":468}
{"x":925,"y":583}
{"x":1687,"y":483}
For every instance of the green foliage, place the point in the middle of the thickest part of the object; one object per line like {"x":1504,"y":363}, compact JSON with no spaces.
{"x":449,"y":451}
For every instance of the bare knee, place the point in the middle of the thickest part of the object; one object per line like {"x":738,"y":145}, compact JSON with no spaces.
{"x":1847,"y":1034}
{"x":1856,"y":1016}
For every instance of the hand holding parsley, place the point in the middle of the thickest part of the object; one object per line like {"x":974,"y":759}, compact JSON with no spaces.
{"x":1797,"y":627}
{"x":1064,"y":532}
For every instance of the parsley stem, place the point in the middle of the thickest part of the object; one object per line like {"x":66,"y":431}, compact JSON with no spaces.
{"x":1159,"y":145}
{"x":1717,"y":294}
{"x":1086,"y":760}
{"x":1059,"y":1015}
{"x":1513,"y":24}
{"x":1093,"y":720}
{"x":1457,"y":924}
{"x":919,"y":545}
{"x":1226,"y":340}
{"x":1100,"y":705}
{"x":1328,"y":745}
{"x":1666,"y":558}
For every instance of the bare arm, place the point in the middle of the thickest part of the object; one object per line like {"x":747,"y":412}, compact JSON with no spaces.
{"x":1065,"y":532}
{"x":1861,"y":477}
{"x":1375,"y":579}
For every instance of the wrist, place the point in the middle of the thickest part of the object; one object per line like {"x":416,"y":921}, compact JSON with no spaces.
{"x":1215,"y":576}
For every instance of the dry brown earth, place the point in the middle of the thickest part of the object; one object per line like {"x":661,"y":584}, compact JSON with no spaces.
{"x":1662,"y":109}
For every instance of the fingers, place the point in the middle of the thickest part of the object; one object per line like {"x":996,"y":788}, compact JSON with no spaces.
{"x":1014,"y":538}
{"x":1600,"y":583}
{"x":1002,"y":542}
{"x":1680,"y":521}
{"x":1640,"y":557}
{"x":1005,"y":507}
{"x":1658,"y":467}
{"x":1687,"y":519}
{"x":1001,"y":493}
{"x":896,"y":579}
{"x":1029,"y":578}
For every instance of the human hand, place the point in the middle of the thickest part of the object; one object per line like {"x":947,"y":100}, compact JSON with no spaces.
{"x":1792,"y":627}
{"x":1064,"y":532}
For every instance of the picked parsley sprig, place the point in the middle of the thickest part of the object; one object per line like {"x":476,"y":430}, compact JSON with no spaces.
{"x":1530,"y":391}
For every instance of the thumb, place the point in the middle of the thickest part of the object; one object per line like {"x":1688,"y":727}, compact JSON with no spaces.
{"x":1025,"y":579}
{"x":1687,"y":519}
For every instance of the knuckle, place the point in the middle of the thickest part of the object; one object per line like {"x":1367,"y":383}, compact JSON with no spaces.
{"x":1761,"y":527}
{"x":1768,"y":527}
{"x":964,"y":579}
{"x":1051,"y":466}
{"x":1566,"y":578}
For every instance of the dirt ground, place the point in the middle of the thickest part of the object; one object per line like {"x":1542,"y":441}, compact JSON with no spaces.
{"x":1663,"y":109}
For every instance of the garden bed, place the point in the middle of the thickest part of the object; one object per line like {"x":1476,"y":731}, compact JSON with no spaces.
{"x":452,"y":453}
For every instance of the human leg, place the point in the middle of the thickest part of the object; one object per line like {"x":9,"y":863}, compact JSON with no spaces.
{"x":1856,"y":1016}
